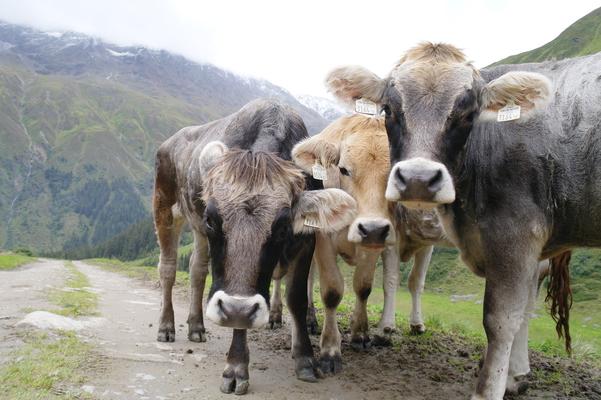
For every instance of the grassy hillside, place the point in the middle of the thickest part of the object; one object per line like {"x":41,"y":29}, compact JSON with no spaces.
{"x":579,"y":39}
{"x":85,"y":172}
{"x":80,"y":121}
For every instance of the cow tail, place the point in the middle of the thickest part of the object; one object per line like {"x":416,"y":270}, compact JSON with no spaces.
{"x":559,"y":293}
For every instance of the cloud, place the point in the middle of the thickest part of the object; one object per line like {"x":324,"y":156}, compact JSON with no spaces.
{"x":295,"y":44}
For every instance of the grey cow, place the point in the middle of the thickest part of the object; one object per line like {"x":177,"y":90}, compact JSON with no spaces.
{"x":512,"y":185}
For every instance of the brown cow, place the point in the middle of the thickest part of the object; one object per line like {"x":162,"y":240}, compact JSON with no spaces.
{"x":231,"y":180}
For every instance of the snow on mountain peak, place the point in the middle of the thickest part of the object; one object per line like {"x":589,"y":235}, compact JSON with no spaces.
{"x":327,"y":108}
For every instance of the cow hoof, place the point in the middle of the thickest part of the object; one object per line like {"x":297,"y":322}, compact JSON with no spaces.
{"x":517,"y":387}
{"x":166,"y":335}
{"x":361,"y":343}
{"x":233,"y":385}
{"x":198,"y":336}
{"x":382,"y":341}
{"x":388,"y":330}
{"x":418,"y":329}
{"x":235,"y":379}
{"x":307,"y":369}
{"x":274,"y":324}
{"x":275,"y":319}
{"x":330,"y":365}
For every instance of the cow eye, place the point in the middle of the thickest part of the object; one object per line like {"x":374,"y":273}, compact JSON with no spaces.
{"x":344,"y":171}
{"x":386,"y":109}
{"x":209,"y":224}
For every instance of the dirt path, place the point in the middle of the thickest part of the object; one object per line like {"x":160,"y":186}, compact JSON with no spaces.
{"x":22,"y":289}
{"x":140,"y":367}
{"x":135,"y":366}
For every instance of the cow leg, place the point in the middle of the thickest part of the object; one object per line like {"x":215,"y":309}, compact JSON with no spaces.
{"x":168,"y":230}
{"x":362,"y":282}
{"x":312,"y":325}
{"x":506,"y":297}
{"x":199,"y":268}
{"x":390,"y":261}
{"x":306,"y":366}
{"x":417,"y":279}
{"x":275,"y":312}
{"x":331,"y":286}
{"x":235,"y":375}
{"x":519,"y":362}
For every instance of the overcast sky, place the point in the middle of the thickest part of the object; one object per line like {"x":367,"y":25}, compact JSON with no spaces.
{"x":294,"y":44}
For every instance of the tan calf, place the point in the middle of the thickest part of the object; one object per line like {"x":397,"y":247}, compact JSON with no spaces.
{"x":354,"y":150}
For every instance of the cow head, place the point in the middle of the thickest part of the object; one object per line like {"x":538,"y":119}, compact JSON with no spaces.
{"x":354,"y":150}
{"x":256,"y":206}
{"x":432,"y":98}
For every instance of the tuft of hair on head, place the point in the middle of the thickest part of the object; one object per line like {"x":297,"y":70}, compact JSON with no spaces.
{"x":253,"y":172}
{"x":354,"y":82}
{"x":434,"y":53}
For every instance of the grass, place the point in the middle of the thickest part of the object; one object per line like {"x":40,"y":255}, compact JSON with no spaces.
{"x":133,"y":269}
{"x":51,"y":365}
{"x":46,"y":367}
{"x":581,"y":38}
{"x":448,"y":276}
{"x":10,"y":261}
{"x":74,"y":300}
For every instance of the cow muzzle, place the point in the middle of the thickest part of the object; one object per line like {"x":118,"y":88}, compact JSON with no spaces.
{"x":420,"y":184}
{"x":372,"y":233}
{"x":238,"y":312}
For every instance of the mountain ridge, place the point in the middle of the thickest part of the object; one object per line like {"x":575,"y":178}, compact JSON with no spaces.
{"x":80,"y":121}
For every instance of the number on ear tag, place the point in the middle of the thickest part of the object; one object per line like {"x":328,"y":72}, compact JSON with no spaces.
{"x":312,"y":222}
{"x":509,"y":113}
{"x":363,"y":106}
{"x":319,"y":172}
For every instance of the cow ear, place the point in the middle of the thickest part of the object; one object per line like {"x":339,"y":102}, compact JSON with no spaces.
{"x":328,"y":210}
{"x":528,"y":90}
{"x":315,"y":150}
{"x":212,"y":152}
{"x":350,"y":83}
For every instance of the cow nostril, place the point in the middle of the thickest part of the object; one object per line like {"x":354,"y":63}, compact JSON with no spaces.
{"x":400,"y":179}
{"x":253,"y":310}
{"x":384,"y":232}
{"x":435,"y":181}
{"x":362,"y":231}
{"x":220,"y":305}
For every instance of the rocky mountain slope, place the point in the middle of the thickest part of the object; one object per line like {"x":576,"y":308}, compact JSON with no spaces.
{"x":80,"y":120}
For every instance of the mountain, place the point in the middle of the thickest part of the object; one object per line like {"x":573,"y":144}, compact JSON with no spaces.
{"x":581,"y":38}
{"x":328,"y":109}
{"x":80,"y":121}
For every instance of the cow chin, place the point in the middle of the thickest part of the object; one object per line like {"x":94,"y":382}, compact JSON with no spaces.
{"x":238,"y":312}
{"x":419,"y":183}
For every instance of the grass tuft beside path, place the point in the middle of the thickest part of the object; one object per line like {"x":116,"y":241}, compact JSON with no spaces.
{"x":75,"y":299}
{"x":10,"y":261}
